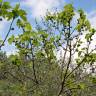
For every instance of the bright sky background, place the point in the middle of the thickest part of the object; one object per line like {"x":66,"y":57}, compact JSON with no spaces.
{"x":38,"y":8}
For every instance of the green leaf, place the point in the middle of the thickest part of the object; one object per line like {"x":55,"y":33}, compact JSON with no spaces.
{"x":81,"y":86}
{"x":16,"y":6}
{"x":15,"y":60}
{"x":6,"y":5}
{"x":22,"y":14}
{"x":28,"y":27}
{"x":11,"y":39}
{"x":20,"y":23}
{"x":1,"y":1}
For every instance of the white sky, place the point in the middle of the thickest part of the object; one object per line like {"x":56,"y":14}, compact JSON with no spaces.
{"x":39,"y":7}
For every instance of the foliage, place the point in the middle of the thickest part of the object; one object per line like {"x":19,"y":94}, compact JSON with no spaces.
{"x":35,"y":70}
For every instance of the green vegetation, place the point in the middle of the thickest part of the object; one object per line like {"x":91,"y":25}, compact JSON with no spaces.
{"x":35,"y":70}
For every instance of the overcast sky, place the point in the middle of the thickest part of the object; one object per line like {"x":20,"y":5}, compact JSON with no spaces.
{"x":38,"y":8}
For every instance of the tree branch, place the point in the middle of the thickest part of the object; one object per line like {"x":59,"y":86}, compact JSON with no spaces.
{"x":7,"y":33}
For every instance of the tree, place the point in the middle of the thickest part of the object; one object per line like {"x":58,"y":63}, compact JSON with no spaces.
{"x":71,"y":43}
{"x":36,"y":70}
